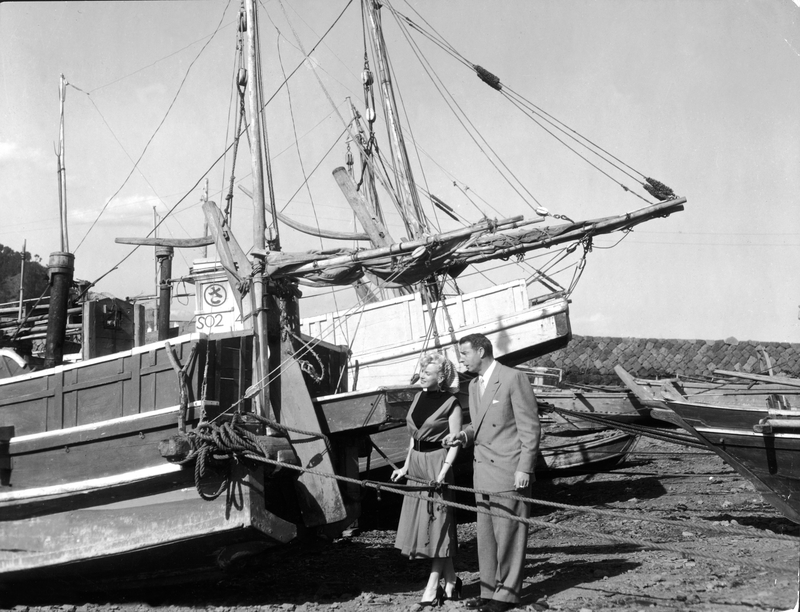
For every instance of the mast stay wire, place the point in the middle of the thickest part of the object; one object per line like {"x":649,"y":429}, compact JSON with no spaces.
{"x":158,"y":128}
{"x":273,"y":241}
{"x":216,"y":161}
{"x":136,"y":168}
{"x":518,"y":100}
{"x":237,"y":94}
{"x":297,"y":145}
{"x":474,"y":134}
{"x":531,"y":116}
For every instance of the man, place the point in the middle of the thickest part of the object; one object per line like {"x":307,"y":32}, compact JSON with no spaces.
{"x":504,"y":429}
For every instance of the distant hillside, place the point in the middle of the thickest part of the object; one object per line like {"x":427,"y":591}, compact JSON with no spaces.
{"x":35,"y":275}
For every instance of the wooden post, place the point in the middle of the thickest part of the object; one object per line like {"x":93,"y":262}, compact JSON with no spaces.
{"x":61,"y":267}
{"x":22,"y":281}
{"x":164,"y":258}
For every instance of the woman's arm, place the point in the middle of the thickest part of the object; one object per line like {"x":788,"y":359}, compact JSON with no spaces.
{"x":454,"y":421}
{"x":401,"y":472}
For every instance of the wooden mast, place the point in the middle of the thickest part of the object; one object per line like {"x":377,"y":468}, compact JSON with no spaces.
{"x":22,"y":280}
{"x":261,"y":353}
{"x":319,"y":498}
{"x":412,"y":210}
{"x":61,"y":264}
{"x":62,"y":171}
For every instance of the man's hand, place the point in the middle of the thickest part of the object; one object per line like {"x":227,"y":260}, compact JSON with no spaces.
{"x":521,"y":480}
{"x":452,"y":440}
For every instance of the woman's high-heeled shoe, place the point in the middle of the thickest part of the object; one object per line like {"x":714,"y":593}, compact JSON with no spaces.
{"x":456,"y":590}
{"x":436,"y":601}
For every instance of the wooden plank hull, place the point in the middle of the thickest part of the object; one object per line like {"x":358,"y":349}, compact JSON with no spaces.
{"x":389,"y":336}
{"x":111,"y":534}
{"x":85,"y":488}
{"x":720,"y":392}
{"x":559,"y":450}
{"x":607,"y":447}
{"x":612,"y":406}
{"x":768,"y":459}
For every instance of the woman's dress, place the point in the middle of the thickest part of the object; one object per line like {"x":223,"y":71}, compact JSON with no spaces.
{"x":427,"y":529}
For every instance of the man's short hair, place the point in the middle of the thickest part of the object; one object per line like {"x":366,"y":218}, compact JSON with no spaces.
{"x":478,"y":341}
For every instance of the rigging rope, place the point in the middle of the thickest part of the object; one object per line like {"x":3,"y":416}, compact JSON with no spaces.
{"x":234,"y":441}
{"x":158,"y":128}
{"x":652,"y":186}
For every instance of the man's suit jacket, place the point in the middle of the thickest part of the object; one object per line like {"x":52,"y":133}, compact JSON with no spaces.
{"x":504,"y":429}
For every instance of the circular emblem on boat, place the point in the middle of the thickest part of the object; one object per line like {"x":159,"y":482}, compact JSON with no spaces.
{"x":215,"y":295}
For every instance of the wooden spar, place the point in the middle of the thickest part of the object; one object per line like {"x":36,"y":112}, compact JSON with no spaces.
{"x":260,"y":355}
{"x":178,"y":243}
{"x":22,"y":281}
{"x":581,"y":230}
{"x":412,"y":213}
{"x":778,"y":380}
{"x":377,"y":232}
{"x":584,"y":229}
{"x":641,"y":392}
{"x":233,"y":259}
{"x":62,"y":170}
{"x":307,"y":229}
{"x":406,"y":247}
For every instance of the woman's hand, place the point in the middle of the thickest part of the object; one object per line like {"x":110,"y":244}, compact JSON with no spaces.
{"x":399,"y":473}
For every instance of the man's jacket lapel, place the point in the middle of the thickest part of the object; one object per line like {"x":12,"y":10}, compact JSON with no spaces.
{"x":492,"y":386}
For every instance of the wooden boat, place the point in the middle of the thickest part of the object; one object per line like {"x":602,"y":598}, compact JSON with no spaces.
{"x":727,"y":389}
{"x":179,"y":453}
{"x":91,"y":481}
{"x":759,"y":442}
{"x":568,"y":402}
{"x":753,"y":427}
{"x":563,"y":446}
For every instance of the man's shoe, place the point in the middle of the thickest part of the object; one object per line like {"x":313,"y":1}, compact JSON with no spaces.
{"x":476,"y":603}
{"x":497,"y":606}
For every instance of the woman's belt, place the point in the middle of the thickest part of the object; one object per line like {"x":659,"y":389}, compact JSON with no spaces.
{"x":424,"y":446}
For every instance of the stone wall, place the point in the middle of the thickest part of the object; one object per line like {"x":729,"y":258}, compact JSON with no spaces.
{"x":591,"y":359}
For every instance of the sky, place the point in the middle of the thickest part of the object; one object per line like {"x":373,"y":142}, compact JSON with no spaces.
{"x":699,"y":94}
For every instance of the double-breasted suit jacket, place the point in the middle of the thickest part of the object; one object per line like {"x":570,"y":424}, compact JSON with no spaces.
{"x":504,"y":429}
{"x":505,"y":434}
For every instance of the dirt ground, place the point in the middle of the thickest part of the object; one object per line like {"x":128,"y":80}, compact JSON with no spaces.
{"x":565,"y":570}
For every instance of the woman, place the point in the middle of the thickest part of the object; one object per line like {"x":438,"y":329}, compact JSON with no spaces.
{"x":427,"y":529}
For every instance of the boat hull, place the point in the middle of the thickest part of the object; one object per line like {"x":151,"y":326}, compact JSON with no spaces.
{"x":148,"y":532}
{"x":769,"y":459}
{"x":91,"y":473}
{"x":610,"y":406}
{"x":388,"y":337}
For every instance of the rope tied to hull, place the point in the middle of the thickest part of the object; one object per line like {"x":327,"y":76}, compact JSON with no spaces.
{"x":214,"y":444}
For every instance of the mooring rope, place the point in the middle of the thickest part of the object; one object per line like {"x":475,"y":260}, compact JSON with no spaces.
{"x":231,"y":441}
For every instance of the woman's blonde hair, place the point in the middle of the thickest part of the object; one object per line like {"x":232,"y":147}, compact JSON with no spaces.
{"x":447,"y":371}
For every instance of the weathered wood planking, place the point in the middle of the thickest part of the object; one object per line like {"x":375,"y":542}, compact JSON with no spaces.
{"x":320,"y":498}
{"x":365,"y":410}
{"x":125,"y":384}
{"x":153,"y":522}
